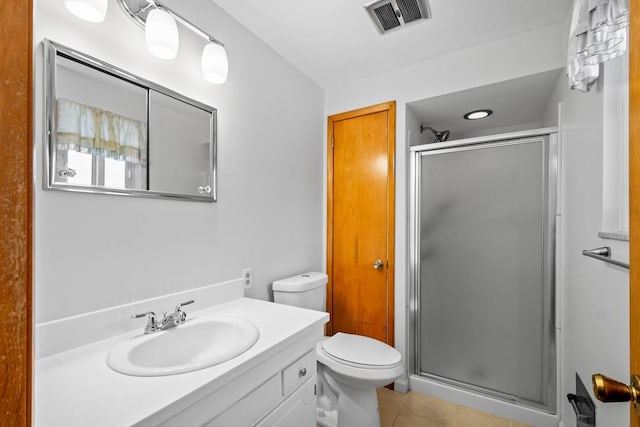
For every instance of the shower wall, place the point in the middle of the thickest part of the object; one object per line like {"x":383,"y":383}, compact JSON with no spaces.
{"x":484,"y":267}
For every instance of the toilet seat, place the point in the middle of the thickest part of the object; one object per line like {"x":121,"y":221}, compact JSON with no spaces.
{"x":360,"y":351}
{"x":361,"y":372}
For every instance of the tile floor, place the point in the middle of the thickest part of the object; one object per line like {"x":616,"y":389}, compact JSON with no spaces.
{"x":417,"y":410}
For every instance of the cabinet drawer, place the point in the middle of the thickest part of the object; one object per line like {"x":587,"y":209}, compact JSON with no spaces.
{"x":298,"y":372}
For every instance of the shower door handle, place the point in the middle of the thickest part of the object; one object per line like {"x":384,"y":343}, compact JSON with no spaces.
{"x":609,"y":390}
{"x":378,"y":264}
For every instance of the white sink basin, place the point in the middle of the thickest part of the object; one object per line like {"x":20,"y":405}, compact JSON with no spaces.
{"x":191,"y":346}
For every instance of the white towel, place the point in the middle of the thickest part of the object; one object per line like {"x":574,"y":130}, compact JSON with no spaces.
{"x":598,"y":34}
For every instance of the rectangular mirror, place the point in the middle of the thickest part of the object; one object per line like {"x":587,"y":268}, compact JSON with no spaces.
{"x":112,"y":132}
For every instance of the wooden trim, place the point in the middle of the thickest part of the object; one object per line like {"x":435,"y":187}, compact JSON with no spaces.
{"x":329,"y":301}
{"x":634,"y":195}
{"x":16,"y":187}
{"x":390,"y":107}
{"x":385,"y":106}
{"x":391,"y":232}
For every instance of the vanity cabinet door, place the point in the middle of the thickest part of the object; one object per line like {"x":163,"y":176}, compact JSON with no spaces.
{"x":251,"y":408}
{"x":299,"y":410}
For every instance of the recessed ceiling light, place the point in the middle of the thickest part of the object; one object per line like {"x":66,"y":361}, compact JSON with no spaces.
{"x":478,"y":114}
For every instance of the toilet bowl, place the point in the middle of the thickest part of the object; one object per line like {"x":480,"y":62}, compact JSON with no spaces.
{"x":350,"y":367}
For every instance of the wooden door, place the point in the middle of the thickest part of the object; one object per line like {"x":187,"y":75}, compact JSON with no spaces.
{"x":16,"y":51}
{"x":360,"y":221}
{"x":634,"y":195}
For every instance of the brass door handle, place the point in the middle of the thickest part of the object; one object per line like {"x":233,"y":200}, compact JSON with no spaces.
{"x":609,"y":390}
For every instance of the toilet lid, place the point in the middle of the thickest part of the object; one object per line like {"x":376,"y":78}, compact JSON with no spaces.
{"x":361,"y":350}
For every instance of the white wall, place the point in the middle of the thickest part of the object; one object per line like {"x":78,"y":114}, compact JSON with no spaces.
{"x":498,"y":130}
{"x":594,"y":306}
{"x":96,"y":251}
{"x":594,"y":309}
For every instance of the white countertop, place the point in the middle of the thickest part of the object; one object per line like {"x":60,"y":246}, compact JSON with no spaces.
{"x":77,"y":387}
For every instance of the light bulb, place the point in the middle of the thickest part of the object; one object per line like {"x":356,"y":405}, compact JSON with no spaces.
{"x":215,"y":65}
{"x":89,"y":10}
{"x":161,"y":34}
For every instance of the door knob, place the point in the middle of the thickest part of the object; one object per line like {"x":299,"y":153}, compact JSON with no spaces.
{"x":609,"y":390}
{"x":378,"y":264}
{"x":204,"y":189}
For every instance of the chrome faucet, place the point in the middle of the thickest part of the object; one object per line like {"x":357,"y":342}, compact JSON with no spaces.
{"x":177,"y":317}
{"x":168,"y":320}
{"x":152,"y":323}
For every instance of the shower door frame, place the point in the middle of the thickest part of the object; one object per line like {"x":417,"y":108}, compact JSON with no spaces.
{"x":551,"y":193}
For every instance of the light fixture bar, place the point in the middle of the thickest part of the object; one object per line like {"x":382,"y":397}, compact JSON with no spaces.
{"x":134,"y":15}
{"x":144,"y":9}
{"x":190,"y":26}
{"x":162,"y":37}
{"x":137,"y":17}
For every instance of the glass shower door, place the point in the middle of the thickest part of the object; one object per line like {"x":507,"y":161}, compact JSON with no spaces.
{"x":485,"y":289}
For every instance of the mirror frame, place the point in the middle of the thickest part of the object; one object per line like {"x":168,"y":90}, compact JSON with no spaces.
{"x":52,"y":51}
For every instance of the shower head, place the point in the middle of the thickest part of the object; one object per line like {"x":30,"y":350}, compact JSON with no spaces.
{"x":441,"y":136}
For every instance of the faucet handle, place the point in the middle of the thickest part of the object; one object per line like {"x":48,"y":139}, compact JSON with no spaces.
{"x":151,"y":315}
{"x":180,"y":305}
{"x":152,"y":324}
{"x":179,"y":315}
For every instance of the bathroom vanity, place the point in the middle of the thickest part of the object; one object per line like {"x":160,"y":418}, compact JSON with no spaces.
{"x":271,"y":384}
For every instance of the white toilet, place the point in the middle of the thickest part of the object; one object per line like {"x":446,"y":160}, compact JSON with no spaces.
{"x":350,"y":367}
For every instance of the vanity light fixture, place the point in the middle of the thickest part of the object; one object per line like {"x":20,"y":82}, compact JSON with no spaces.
{"x":161,"y":35}
{"x":89,"y":10}
{"x":478,"y":114}
{"x":215,"y":65}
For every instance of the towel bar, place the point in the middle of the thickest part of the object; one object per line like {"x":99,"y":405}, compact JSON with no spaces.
{"x":604,"y":254}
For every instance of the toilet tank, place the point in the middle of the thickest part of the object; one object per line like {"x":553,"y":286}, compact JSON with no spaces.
{"x":306,"y":290}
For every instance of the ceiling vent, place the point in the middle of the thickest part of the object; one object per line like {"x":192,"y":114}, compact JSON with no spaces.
{"x":388,"y":15}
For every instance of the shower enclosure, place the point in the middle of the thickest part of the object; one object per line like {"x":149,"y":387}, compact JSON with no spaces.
{"x":482,"y":298}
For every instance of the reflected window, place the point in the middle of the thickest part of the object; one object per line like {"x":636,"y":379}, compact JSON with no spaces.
{"x":114,"y":173}
{"x":101,"y":129}
{"x":91,"y":170}
{"x":79,"y":168}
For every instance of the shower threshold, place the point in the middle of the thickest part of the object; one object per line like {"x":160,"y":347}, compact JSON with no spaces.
{"x":482,"y":399}
{"x":487,"y":391}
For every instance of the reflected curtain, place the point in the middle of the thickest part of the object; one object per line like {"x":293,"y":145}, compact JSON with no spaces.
{"x":598,"y":34}
{"x":88,"y":129}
